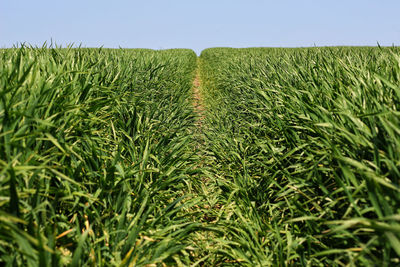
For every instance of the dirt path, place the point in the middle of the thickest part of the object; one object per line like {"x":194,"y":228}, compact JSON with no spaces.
{"x":198,"y":100}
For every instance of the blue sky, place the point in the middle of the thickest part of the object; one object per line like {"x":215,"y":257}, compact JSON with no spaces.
{"x":200,"y":24}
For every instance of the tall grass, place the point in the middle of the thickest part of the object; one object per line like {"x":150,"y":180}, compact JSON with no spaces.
{"x":95,"y":156}
{"x":296,"y":163}
{"x":306,"y":155}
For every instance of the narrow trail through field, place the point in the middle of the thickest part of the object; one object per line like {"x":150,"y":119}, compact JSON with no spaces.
{"x":209,"y":207}
{"x":198,"y":100}
{"x":204,"y":189}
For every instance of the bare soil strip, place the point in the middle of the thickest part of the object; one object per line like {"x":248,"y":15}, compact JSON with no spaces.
{"x":198,"y":100}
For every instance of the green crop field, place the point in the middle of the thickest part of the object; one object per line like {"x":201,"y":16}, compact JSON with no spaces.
{"x":293,"y":158}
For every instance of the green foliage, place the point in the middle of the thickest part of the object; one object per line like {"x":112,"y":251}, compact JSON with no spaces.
{"x":306,"y":155}
{"x":95,"y":156}
{"x":297,"y":160}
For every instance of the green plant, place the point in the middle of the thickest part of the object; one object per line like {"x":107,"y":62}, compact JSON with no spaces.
{"x":306,"y":154}
{"x":95,"y":156}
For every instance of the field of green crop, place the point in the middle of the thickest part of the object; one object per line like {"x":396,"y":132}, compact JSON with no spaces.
{"x":306,"y":154}
{"x":105,"y":161}
{"x":96,"y":156}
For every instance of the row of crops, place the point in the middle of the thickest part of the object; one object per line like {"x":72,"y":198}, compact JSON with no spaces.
{"x":295,"y":160}
{"x":96,"y":156}
{"x":305,"y":149}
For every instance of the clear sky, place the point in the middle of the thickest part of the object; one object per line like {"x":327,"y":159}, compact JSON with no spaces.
{"x":164,"y":24}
